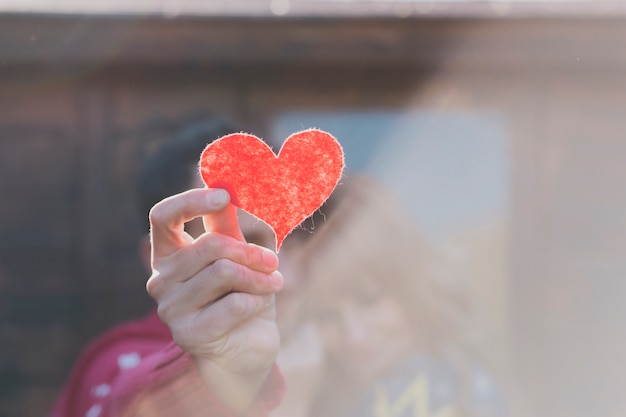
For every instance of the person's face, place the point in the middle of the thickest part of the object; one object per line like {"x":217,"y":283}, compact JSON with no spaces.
{"x":364,"y":329}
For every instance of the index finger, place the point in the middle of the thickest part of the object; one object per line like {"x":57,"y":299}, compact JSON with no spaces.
{"x":168,"y":217}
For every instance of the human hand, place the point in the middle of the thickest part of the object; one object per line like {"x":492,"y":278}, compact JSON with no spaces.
{"x":216,"y":292}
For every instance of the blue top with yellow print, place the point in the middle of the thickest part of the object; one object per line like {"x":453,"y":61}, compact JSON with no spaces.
{"x":426,"y":387}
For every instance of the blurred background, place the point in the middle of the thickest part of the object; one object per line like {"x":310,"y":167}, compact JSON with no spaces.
{"x":500,"y":124}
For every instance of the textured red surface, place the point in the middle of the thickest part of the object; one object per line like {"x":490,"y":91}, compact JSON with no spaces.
{"x":282,"y":190}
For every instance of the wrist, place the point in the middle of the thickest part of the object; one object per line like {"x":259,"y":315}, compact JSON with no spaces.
{"x":236,"y":390}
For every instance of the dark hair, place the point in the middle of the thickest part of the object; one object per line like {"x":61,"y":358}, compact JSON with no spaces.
{"x":169,"y":170}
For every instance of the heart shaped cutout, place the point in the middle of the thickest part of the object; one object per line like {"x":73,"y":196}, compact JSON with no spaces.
{"x":281,"y":190}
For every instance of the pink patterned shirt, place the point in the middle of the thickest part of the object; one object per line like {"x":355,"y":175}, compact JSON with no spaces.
{"x":135,"y":369}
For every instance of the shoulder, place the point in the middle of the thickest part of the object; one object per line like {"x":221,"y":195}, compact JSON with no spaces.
{"x":121,"y":348}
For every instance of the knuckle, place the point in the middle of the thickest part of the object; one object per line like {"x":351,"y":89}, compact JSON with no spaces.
{"x":157,"y":213}
{"x":239,"y":304}
{"x":164,"y":310}
{"x":235,"y":250}
{"x":154,"y":285}
{"x":209,"y":247}
{"x":225,"y":270}
{"x":253,"y":253}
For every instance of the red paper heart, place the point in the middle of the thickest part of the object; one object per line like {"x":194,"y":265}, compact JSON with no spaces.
{"x":282,"y":190}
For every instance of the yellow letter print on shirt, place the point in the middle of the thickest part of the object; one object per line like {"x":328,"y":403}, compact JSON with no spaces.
{"x":415,"y":397}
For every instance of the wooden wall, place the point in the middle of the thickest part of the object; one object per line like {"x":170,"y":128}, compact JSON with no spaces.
{"x":82,"y":98}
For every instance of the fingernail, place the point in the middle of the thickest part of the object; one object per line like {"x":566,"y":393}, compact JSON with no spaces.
{"x":276,"y":279}
{"x":217,"y":198}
